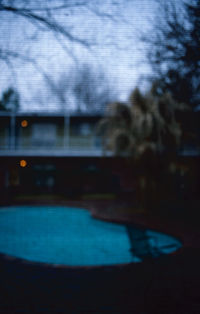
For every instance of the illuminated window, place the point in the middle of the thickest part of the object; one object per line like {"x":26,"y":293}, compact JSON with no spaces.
{"x":23,"y":163}
{"x":24,"y":123}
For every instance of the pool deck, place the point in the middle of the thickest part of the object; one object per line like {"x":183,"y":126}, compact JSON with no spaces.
{"x":169,"y":284}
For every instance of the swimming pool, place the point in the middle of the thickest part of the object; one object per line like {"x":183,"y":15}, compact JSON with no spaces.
{"x":70,"y":236}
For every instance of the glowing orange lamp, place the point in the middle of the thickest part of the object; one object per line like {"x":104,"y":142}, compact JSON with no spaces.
{"x":23,"y":163}
{"x":24,"y":123}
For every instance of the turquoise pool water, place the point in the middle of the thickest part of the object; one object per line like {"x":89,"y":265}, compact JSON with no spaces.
{"x":70,"y":236}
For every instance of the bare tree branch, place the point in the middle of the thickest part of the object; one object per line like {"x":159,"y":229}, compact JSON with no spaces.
{"x":49,"y":23}
{"x":173,"y":49}
{"x":84,"y":86}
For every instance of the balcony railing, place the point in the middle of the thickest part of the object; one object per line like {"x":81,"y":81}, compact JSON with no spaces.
{"x":74,"y":146}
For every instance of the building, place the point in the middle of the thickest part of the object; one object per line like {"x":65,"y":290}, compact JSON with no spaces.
{"x":49,"y":152}
{"x":52,"y":152}
{"x":38,"y":134}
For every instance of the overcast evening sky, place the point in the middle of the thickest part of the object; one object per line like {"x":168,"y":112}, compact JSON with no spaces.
{"x":114,"y":47}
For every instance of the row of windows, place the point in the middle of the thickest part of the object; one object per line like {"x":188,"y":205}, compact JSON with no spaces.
{"x":48,"y":134}
{"x":83,"y":128}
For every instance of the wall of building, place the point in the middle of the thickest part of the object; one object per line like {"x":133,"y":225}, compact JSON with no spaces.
{"x":76,"y":176}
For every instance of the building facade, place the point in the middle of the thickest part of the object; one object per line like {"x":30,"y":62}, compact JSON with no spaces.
{"x":62,"y":153}
{"x":49,"y":134}
{"x":53,"y":152}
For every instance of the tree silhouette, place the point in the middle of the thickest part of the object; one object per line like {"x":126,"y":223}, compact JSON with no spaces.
{"x":35,"y":19}
{"x":9,"y":100}
{"x":91,"y":88}
{"x":173,"y":50}
{"x":146,"y":131}
{"x":84,"y":87}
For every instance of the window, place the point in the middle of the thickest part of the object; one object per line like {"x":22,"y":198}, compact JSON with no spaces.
{"x":43,"y":134}
{"x":85,"y":129}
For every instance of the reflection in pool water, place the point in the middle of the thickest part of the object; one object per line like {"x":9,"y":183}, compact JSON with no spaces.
{"x":70,"y":236}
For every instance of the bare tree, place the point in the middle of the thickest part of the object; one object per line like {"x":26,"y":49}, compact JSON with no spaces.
{"x":37,"y":17}
{"x":91,"y":88}
{"x":84,"y":87}
{"x":173,"y":50}
{"x":59,"y":19}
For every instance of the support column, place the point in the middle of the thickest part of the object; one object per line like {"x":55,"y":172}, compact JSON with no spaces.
{"x":12,"y":131}
{"x":66,"y":130}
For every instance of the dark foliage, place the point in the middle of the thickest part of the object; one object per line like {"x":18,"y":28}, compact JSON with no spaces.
{"x":174,"y":50}
{"x":9,"y":100}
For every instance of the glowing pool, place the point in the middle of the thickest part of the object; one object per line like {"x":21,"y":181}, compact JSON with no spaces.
{"x":70,"y":236}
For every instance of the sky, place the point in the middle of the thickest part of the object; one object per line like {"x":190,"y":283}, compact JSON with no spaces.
{"x":111,"y":28}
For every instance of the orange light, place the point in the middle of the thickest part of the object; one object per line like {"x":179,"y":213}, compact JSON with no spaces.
{"x":23,"y":163}
{"x":24,"y":123}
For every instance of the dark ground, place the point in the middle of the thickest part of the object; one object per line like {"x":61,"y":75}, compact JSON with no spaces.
{"x":168,"y":284}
